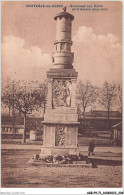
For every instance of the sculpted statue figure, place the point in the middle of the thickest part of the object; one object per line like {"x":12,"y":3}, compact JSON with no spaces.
{"x":61,"y":93}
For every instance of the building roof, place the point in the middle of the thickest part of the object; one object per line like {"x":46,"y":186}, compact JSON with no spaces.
{"x":103,"y":113}
{"x":64,"y":14}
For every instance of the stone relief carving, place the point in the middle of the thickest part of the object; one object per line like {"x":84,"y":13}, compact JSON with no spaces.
{"x":61,"y":93}
{"x":61,"y":134}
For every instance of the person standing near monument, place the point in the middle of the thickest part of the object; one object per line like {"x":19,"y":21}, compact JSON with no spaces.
{"x":91,"y":147}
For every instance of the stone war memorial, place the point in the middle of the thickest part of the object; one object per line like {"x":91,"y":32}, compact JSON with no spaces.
{"x":61,"y":97}
{"x":61,"y":119}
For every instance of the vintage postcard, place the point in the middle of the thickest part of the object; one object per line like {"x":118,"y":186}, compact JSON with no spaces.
{"x":61,"y":97}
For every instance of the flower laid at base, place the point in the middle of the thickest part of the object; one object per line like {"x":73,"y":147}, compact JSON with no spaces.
{"x":61,"y":159}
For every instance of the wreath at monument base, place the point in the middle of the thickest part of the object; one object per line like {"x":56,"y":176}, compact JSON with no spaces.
{"x":59,"y":159}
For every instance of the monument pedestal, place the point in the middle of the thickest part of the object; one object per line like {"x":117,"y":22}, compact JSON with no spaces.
{"x":61,"y":119}
{"x":60,"y":138}
{"x":46,"y":151}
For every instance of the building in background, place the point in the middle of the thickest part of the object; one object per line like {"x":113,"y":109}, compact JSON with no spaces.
{"x":117,"y":131}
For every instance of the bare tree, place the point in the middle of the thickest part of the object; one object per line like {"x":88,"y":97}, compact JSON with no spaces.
{"x":107,"y":98}
{"x":44,"y":90}
{"x":119,"y":97}
{"x":28,"y":96}
{"x":86,"y":96}
{"x":7,"y":99}
{"x":7,"y":95}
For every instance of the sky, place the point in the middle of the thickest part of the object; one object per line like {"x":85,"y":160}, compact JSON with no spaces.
{"x":28,"y":35}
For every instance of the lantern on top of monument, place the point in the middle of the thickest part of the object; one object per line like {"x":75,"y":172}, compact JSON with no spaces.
{"x":63,"y":58}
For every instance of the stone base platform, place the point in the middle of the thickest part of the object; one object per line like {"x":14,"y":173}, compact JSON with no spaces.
{"x":43,"y":164}
{"x":46,"y":151}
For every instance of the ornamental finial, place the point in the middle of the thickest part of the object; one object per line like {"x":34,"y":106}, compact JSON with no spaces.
{"x":64,"y":8}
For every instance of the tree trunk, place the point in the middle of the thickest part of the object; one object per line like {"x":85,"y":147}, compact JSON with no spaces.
{"x":24,"y":133}
{"x":107,"y":127}
{"x":19,"y":113}
{"x":9,"y":110}
{"x":44,"y":107}
{"x":83,"y":119}
{"x":14,"y":126}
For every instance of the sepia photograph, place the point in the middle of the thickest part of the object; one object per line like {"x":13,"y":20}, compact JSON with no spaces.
{"x":61,"y":94}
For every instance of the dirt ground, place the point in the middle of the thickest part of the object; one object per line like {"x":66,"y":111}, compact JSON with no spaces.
{"x":16,"y":173}
{"x":82,"y":141}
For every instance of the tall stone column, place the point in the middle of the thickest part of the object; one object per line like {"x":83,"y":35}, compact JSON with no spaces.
{"x":61,"y":119}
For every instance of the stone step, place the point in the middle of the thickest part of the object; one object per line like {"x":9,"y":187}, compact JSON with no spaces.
{"x":40,"y":163}
{"x":80,"y":162}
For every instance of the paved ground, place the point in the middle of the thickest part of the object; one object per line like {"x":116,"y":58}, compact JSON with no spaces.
{"x":82,"y":141}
